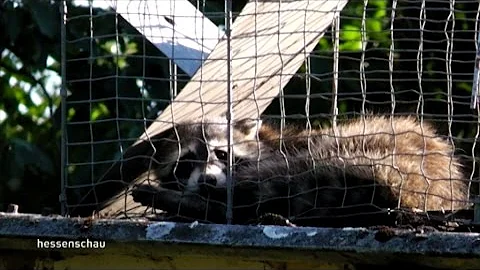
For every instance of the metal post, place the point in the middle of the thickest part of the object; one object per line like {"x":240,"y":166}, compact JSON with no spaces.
{"x":63,"y":94}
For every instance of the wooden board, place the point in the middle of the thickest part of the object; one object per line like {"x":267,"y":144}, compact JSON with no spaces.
{"x":270,"y":41}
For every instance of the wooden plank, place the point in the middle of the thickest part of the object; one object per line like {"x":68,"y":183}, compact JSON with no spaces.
{"x":270,"y":41}
{"x":175,"y":27}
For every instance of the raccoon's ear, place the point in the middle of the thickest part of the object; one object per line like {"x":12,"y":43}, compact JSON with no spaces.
{"x":249,"y":127}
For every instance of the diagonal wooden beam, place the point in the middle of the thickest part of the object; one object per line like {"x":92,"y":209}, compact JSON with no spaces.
{"x":270,"y":41}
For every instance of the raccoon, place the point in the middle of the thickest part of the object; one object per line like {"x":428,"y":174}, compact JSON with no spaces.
{"x":195,"y":153}
{"x":320,"y":177}
{"x":189,"y":157}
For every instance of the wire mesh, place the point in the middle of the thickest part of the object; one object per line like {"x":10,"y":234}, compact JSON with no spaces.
{"x":307,"y":161}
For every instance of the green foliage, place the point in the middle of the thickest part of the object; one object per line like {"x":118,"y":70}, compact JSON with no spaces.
{"x":29,"y":142}
{"x":113,"y":89}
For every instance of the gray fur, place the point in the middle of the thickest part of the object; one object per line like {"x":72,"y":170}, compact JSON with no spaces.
{"x":365,"y":165}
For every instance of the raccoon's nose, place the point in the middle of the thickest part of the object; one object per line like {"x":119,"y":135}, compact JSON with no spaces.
{"x":208,"y":179}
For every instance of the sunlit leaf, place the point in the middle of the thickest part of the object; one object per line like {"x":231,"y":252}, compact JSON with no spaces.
{"x":350,"y":33}
{"x":351,"y":46}
{"x":99,"y":111}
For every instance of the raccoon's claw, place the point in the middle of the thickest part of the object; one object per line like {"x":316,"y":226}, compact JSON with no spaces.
{"x":144,"y":194}
{"x":157,"y":197}
{"x":274,"y":219}
{"x":177,"y":203}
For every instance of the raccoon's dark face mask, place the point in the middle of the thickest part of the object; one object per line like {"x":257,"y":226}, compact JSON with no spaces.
{"x":186,"y":171}
{"x":203,"y":159}
{"x":199,"y":167}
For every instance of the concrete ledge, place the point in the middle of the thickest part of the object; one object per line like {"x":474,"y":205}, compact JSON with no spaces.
{"x":183,"y":246}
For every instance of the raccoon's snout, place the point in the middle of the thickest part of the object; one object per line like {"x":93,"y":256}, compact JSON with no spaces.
{"x":217,"y":173}
{"x":208,"y":179}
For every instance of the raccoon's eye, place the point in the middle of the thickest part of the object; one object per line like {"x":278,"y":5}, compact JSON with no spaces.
{"x":221,"y":155}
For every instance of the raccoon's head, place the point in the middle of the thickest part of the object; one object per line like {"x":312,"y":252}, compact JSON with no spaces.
{"x":203,"y":156}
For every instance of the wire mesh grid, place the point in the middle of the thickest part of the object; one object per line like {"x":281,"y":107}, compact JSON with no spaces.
{"x":375,"y":119}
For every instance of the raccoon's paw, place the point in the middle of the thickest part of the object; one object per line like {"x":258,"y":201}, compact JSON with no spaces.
{"x":179,"y":204}
{"x":145,"y":194}
{"x":274,"y":219}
